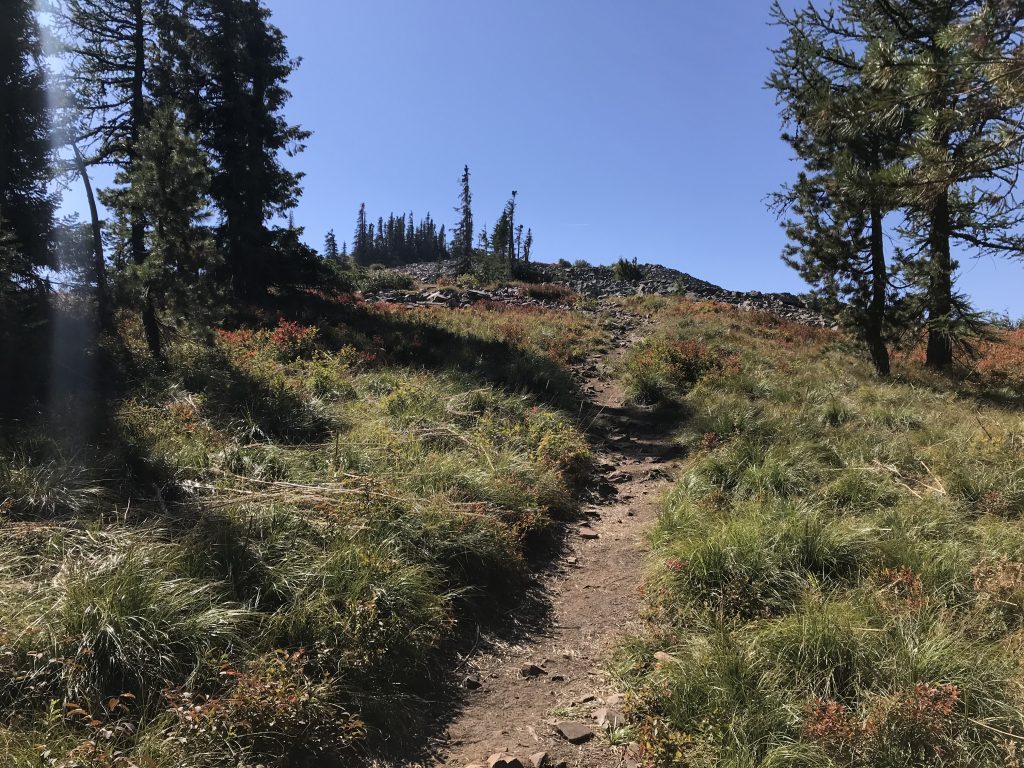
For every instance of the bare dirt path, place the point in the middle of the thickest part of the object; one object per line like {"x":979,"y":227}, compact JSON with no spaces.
{"x":556,"y":672}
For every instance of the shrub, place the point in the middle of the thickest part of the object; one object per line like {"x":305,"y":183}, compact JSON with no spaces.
{"x":627,"y":271}
{"x":553,"y":292}
{"x":660,"y":370}
{"x":381,"y":279}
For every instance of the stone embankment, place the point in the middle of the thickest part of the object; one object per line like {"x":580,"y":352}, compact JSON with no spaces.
{"x":594,"y":282}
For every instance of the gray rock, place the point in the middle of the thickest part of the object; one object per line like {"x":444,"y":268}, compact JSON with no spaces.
{"x":588,"y":533}
{"x":531,"y":670}
{"x":608,"y":717}
{"x":539,"y":760}
{"x":574,"y":733}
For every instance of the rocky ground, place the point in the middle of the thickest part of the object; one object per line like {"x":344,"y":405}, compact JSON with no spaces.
{"x":596,"y":282}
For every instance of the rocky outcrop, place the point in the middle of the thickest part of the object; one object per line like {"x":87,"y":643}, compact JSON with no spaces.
{"x":597,"y":282}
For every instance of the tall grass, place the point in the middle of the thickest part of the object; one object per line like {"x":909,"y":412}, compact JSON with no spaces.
{"x":285,"y":536}
{"x":839,"y":572}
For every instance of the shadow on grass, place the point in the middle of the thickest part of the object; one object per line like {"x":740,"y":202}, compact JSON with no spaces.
{"x":406,"y":338}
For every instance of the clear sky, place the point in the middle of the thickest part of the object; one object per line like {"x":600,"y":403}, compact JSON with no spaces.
{"x":628,"y":128}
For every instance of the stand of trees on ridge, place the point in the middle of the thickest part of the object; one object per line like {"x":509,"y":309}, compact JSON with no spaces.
{"x":908,"y":117}
{"x":400,"y":240}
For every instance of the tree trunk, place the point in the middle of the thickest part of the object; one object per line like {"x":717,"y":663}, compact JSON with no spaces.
{"x":99,"y":265}
{"x":940,"y":288}
{"x":875,"y":330}
{"x":138,"y":217}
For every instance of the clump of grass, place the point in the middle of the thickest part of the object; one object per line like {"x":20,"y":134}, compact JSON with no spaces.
{"x":839,"y":576}
{"x":376,"y":280}
{"x":48,"y":487}
{"x":551,"y":292}
{"x":660,"y":370}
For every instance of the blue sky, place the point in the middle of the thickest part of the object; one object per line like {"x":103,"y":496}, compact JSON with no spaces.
{"x":628,"y":128}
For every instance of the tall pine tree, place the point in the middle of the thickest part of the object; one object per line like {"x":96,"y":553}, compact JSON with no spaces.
{"x":110,"y":50}
{"x":231,"y":70}
{"x":169,"y":181}
{"x":26,"y":205}
{"x":462,"y":240}
{"x":849,"y":148}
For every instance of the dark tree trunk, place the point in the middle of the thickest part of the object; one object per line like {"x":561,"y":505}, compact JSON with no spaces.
{"x":138,"y":217}
{"x":940,"y":288}
{"x":99,"y":265}
{"x":875,"y":330}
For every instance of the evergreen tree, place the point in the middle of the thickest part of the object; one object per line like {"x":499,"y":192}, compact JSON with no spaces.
{"x":231,"y":69}
{"x":362,"y":239}
{"x":462,"y":241}
{"x":26,"y":206}
{"x":948,"y":72}
{"x":110,"y":47}
{"x":955,"y":65}
{"x":849,"y":148}
{"x":331,"y":247}
{"x":528,"y":245}
{"x":169,"y":181}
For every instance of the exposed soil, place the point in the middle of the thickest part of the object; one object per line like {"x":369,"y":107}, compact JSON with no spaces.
{"x":589,"y":596}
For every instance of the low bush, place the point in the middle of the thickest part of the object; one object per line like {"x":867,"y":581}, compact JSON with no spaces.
{"x":626,"y":271}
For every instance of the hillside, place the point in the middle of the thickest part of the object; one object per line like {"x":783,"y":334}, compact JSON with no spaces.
{"x":353,"y":530}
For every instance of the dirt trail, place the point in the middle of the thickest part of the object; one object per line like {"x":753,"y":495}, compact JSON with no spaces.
{"x":591,"y":593}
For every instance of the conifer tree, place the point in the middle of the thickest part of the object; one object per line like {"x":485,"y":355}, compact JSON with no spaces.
{"x":331,"y":246}
{"x":955,"y":66}
{"x":948,"y":73}
{"x":361,"y":238}
{"x":26,"y":205}
{"x":110,"y":47}
{"x":169,"y":181}
{"x":528,"y":245}
{"x":462,"y":240}
{"x":230,"y":73}
{"x":840,"y":199}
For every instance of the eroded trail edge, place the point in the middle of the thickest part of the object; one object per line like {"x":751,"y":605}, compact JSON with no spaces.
{"x":550,"y":692}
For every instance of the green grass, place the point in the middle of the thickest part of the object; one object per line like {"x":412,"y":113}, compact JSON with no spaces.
{"x":838,"y":577}
{"x":267,"y":553}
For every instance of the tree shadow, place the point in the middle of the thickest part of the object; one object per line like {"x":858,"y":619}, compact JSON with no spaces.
{"x":403,"y":338}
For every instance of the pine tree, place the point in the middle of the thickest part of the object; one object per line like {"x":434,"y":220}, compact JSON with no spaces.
{"x":331,"y":246}
{"x":231,"y":72}
{"x":528,"y":245}
{"x":26,"y":205}
{"x":840,"y":199}
{"x":108,"y":75}
{"x":947,"y":73}
{"x":462,"y":241}
{"x":361,"y":239}
{"x":169,"y":181}
{"x":955,"y":65}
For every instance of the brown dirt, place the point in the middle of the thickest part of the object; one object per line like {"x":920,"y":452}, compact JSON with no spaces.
{"x":589,"y":596}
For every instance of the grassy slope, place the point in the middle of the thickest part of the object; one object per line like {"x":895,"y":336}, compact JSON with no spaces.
{"x":840,"y":574}
{"x":265,"y":552}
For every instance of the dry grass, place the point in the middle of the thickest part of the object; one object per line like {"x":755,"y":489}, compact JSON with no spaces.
{"x":839,"y":579}
{"x":284,"y":537}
